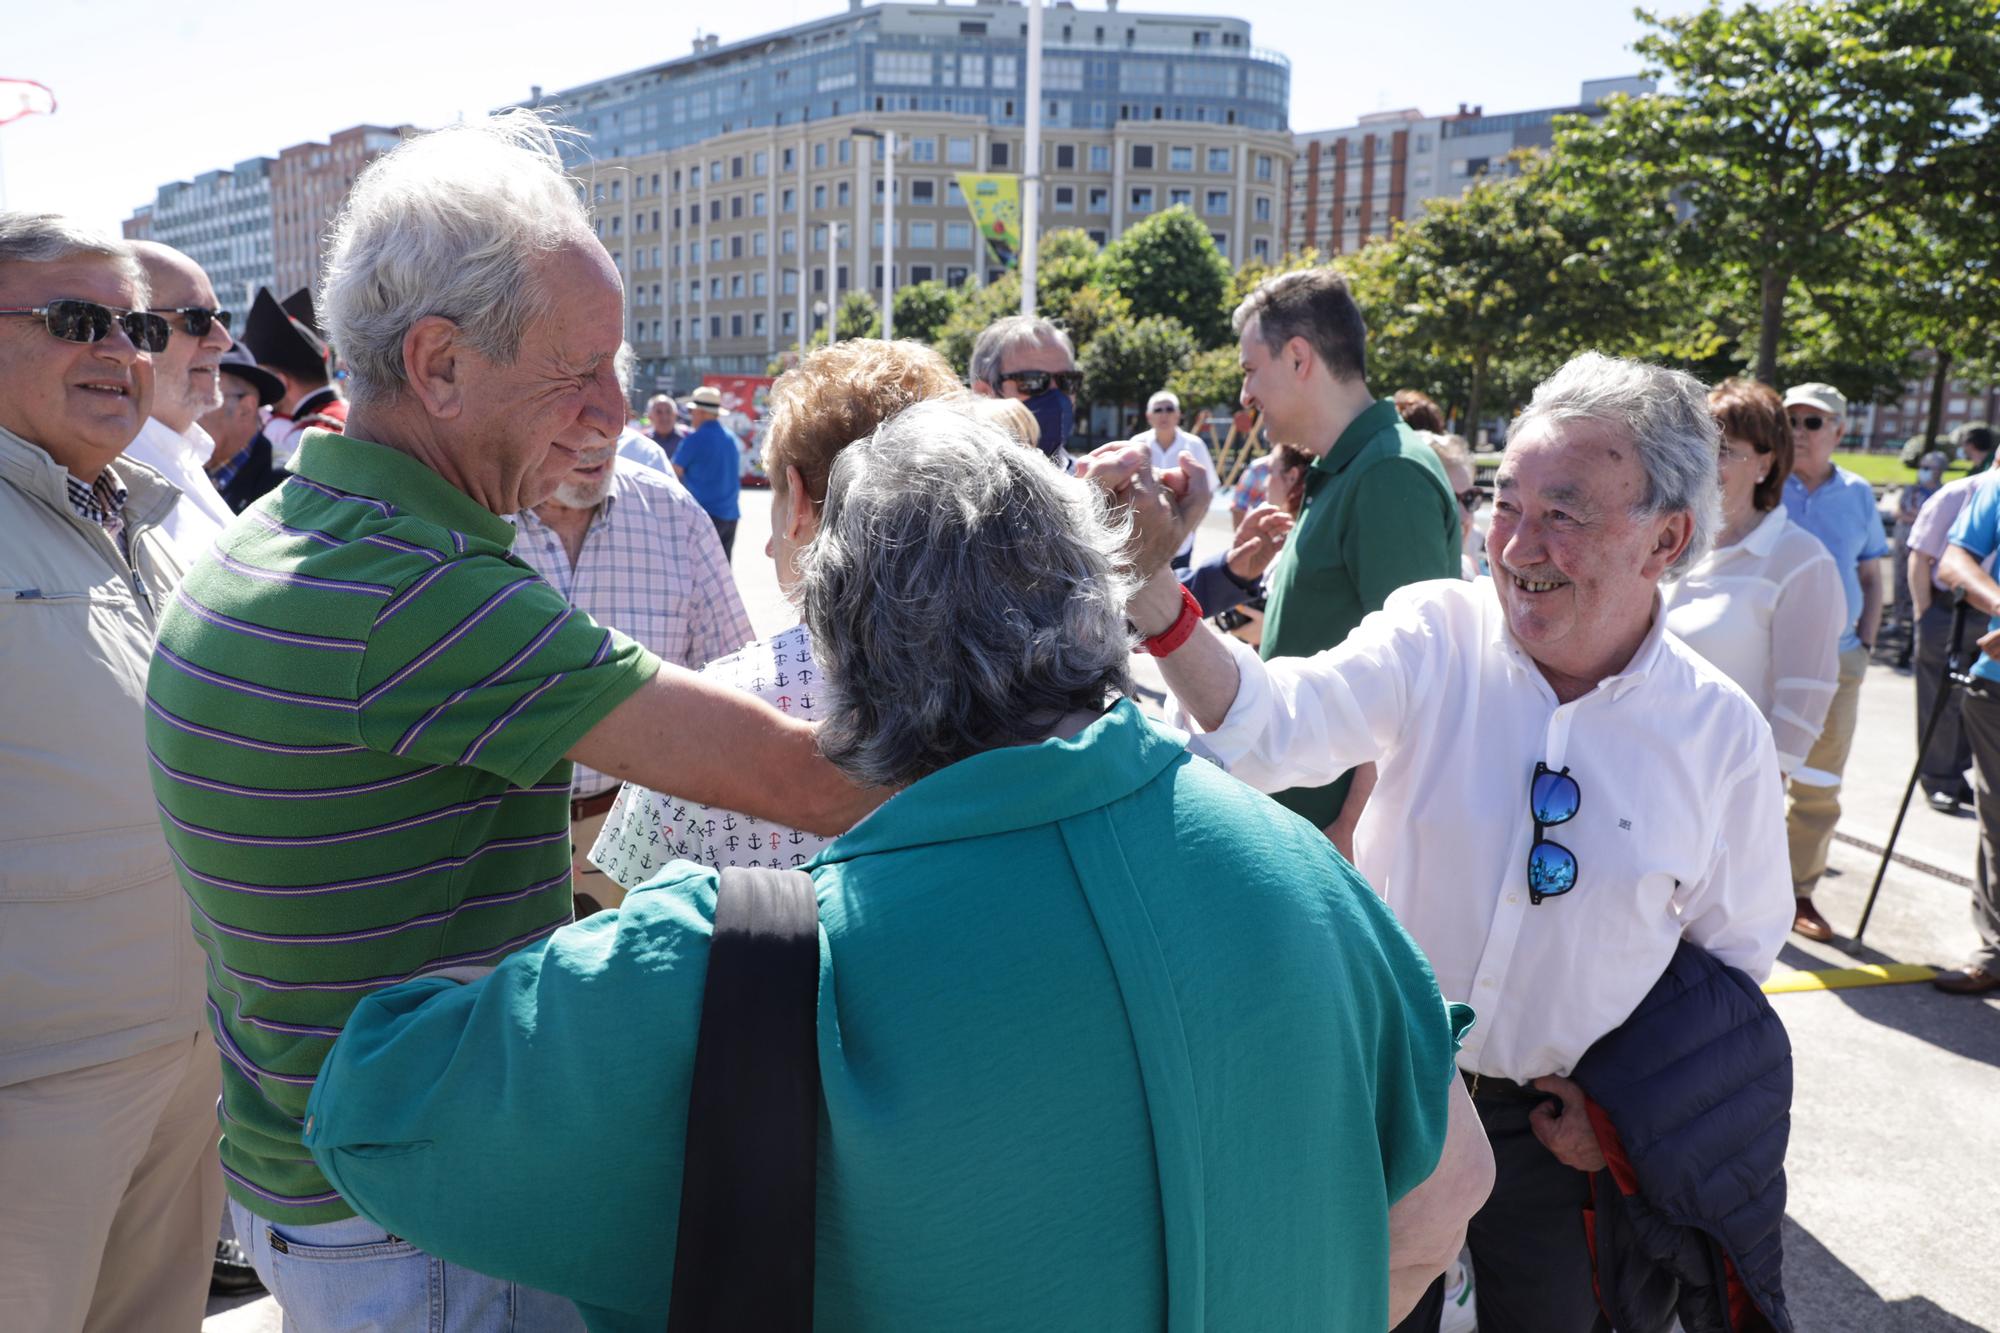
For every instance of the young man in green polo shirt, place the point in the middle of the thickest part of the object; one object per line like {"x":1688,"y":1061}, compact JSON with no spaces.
{"x":1377,"y":512}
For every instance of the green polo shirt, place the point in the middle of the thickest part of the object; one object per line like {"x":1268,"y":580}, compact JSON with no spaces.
{"x":1378,"y":513}
{"x":357,"y":716}
{"x":1107,"y":1041}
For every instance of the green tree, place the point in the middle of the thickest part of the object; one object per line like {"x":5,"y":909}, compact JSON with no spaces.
{"x":1168,"y":265}
{"x":1130,"y":359}
{"x":858,"y":317}
{"x":1066,"y":265}
{"x":1213,"y":378}
{"x":977,"y":307}
{"x":922,"y":309}
{"x":1791,"y":126}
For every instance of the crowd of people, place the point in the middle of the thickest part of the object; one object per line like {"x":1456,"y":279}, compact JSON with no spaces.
{"x":389,"y":747}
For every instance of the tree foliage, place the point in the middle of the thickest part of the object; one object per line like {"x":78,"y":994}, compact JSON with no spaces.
{"x":1213,"y":378}
{"x":1168,"y":265}
{"x":922,"y":308}
{"x":1131,"y":359}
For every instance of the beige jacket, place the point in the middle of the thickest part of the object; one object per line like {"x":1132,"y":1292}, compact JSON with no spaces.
{"x":97,"y":959}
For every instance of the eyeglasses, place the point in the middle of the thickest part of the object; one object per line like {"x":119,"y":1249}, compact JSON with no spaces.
{"x":1156,"y":411}
{"x":1472,"y":497}
{"x":199,"y":319}
{"x":1553,"y":798}
{"x":89,"y":322}
{"x":1033,"y":382}
{"x":1806,"y":423}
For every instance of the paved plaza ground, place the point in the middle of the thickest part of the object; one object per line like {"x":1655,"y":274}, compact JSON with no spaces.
{"x":1895,"y":1154}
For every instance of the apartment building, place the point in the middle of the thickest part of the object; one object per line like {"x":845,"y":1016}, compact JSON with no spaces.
{"x":1890,"y":425}
{"x":309,"y":182}
{"x":732,"y":191}
{"x":1351,"y":185}
{"x":222,"y":220}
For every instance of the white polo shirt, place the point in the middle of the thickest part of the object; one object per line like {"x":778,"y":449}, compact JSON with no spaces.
{"x":1680,"y":831}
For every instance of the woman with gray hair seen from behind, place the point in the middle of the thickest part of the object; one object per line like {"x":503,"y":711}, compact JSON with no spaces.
{"x":1066,"y":1085}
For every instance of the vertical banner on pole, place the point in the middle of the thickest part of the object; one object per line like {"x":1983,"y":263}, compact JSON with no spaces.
{"x":994,"y":200}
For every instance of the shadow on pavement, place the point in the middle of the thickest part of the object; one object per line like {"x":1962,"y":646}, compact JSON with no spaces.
{"x":1826,"y":1296}
{"x":1961,"y":1024}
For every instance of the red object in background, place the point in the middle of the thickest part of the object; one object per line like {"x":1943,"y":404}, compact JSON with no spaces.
{"x":743,"y":411}
{"x":24,"y":97}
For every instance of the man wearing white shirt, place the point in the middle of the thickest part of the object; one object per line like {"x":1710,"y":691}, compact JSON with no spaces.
{"x":188,"y":381}
{"x":1566,"y":790}
{"x":1168,"y":442}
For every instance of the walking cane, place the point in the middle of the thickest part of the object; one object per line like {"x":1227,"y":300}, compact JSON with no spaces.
{"x":1952,"y":676}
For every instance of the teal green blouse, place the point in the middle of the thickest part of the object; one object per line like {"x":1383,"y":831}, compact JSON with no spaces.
{"x":1108,"y":1041}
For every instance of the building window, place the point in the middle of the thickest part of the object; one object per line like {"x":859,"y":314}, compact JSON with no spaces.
{"x":788,"y":282}
{"x":757,"y":286}
{"x":923,"y":235}
{"x":843,"y":193}
{"x":736,"y":247}
{"x":1097,"y":236}
{"x":819,"y":154}
{"x":1142,"y":76}
{"x":788,"y":242}
{"x":1006,"y":71}
{"x":715,"y":326}
{"x":1221,"y":239}
{"x":715,"y":247}
{"x":788,"y":158}
{"x":1260,"y":208}
{"x":715,"y":210}
{"x":1066,"y":157}
{"x":736,"y":326}
{"x":819,"y":197}
{"x":1216,"y":201}
{"x":1142,"y":199}
{"x":1180,"y":198}
{"x":846,"y":153}
{"x":1263,"y":166}
{"x":908,"y":67}
{"x":787,"y":322}
{"x":715,"y":288}
{"x":998,"y":153}
{"x":736,"y":206}
{"x":971,"y":71}
{"x":757,"y":204}
{"x":1180,"y":159}
{"x":958,"y":235}
{"x":1142,"y":157}
{"x":757,"y":244}
{"x":1099,"y":199}
{"x":760,"y":161}
{"x":953,"y":196}
{"x":1261,"y":248}
{"x":923,"y":150}
{"x":1065,"y":199}
{"x":757,"y":324}
{"x":788,"y":199}
{"x":736,"y":286}
{"x":923,"y":192}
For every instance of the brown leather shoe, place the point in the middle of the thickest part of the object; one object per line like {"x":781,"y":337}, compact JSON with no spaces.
{"x":1807,"y":921}
{"x":1972,"y":979}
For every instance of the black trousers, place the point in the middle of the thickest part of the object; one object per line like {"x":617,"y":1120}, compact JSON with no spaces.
{"x":725,"y":528}
{"x":1949,"y":753}
{"x":1530,"y":1258}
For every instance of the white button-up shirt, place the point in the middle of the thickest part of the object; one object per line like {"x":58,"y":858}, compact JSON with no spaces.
{"x":1769,"y":611}
{"x":1680,"y":831}
{"x":201,"y":513}
{"x":1169,"y":455}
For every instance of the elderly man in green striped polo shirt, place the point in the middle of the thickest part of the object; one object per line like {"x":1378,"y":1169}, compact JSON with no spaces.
{"x":363,"y":708}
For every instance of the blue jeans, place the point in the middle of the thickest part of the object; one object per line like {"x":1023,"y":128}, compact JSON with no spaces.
{"x":353,"y":1277}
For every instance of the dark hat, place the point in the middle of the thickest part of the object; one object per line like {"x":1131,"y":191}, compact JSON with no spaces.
{"x":299,"y":305}
{"x":279,"y":339}
{"x":237,"y":361}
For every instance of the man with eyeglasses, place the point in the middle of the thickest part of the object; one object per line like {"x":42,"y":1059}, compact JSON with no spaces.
{"x":1169,"y":442}
{"x":1566,"y":792}
{"x":1837,"y":507}
{"x":187,"y":380}
{"x":109,"y":1186}
{"x":1033,"y":362}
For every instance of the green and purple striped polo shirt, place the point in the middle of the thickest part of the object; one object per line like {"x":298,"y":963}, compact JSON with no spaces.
{"x":358,"y":715}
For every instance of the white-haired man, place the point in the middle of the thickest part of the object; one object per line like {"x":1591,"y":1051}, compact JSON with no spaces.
{"x":1169,"y":442}
{"x":629,"y":546}
{"x":1607,"y":792}
{"x":187,"y":380}
{"x":109,"y":1190}
{"x":364,"y":707}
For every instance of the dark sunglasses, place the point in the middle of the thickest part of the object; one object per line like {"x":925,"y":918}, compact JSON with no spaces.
{"x":1806,"y":423}
{"x":1553,"y":798}
{"x":198,"y":320}
{"x":1033,"y":382}
{"x":1471,"y":498}
{"x":1155,"y":411}
{"x":89,"y":322}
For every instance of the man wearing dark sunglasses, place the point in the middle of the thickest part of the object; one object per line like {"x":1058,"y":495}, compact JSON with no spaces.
{"x":187,"y":382}
{"x":1566,"y":792}
{"x":1837,"y":507}
{"x":1032,"y":361}
{"x":108,"y":1078}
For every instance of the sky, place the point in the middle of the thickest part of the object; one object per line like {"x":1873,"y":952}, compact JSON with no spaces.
{"x":154,"y":92}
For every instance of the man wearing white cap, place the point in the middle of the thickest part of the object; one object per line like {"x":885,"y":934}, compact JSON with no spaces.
{"x":1837,"y":507}
{"x":710,"y":463}
{"x":1168,"y":442}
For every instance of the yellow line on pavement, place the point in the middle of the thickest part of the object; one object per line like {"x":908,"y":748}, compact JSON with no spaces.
{"x":1840,"y":978}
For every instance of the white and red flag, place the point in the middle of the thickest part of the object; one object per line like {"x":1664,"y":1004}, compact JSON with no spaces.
{"x":24,"y":97}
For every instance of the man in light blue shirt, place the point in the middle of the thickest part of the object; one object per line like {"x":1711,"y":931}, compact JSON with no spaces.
{"x":710,"y":462}
{"x":1974,"y":538}
{"x":1837,"y":507}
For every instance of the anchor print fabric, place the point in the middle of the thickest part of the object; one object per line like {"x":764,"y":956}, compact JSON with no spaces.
{"x":646,"y":830}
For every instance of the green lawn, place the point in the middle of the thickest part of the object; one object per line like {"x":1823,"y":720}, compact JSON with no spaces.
{"x":1883,"y":469}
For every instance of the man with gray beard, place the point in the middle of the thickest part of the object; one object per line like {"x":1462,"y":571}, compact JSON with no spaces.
{"x":188,"y":384}
{"x":631,"y":547}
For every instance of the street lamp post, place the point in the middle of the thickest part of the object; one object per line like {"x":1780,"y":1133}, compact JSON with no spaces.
{"x":887,"y":138}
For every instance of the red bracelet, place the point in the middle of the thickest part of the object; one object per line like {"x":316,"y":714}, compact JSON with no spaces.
{"x":1178,"y":633}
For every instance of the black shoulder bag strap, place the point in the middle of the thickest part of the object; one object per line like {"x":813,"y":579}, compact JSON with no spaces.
{"x":744,"y":1257}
